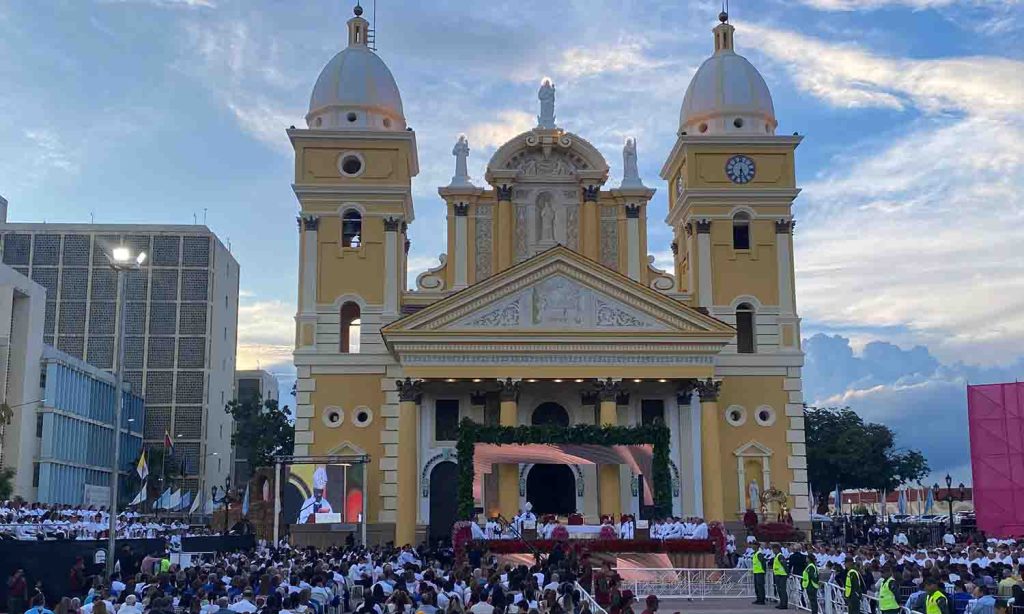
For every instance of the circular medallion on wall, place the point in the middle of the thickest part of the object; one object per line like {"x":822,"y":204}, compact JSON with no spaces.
{"x":333,"y":417}
{"x":736,"y":415}
{"x":362,"y":416}
{"x":765,"y":415}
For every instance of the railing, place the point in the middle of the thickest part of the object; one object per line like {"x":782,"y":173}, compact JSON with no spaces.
{"x":585,"y":597}
{"x":689,"y":583}
{"x":831,"y":599}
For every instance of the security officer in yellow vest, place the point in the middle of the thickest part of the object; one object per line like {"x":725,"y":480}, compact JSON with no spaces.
{"x":809,"y":582}
{"x":888,"y":603}
{"x":937,"y":602}
{"x":853,"y":587}
{"x":780,"y":574}
{"x":757,"y":566}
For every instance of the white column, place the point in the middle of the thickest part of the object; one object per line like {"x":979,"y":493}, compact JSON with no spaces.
{"x":704,"y":263}
{"x":696,"y":444}
{"x":785,"y":266}
{"x":310,"y":225}
{"x":633,"y":241}
{"x":392,"y":275}
{"x":461,"y":245}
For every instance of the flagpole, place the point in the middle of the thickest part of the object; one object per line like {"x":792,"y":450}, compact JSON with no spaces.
{"x":163,"y":470}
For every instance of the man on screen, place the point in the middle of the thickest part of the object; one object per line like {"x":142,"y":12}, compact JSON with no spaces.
{"x":317,"y":504}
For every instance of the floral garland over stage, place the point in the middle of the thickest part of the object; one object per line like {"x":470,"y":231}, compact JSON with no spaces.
{"x":472,"y":433}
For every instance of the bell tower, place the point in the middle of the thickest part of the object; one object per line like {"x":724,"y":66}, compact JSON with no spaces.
{"x":732,"y":183}
{"x":354,"y":164}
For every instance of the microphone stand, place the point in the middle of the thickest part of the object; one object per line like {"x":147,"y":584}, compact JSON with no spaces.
{"x":504,"y":522}
{"x":316,"y":502}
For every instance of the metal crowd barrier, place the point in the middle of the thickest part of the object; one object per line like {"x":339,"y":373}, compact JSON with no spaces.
{"x":831,"y":599}
{"x":689,"y":583}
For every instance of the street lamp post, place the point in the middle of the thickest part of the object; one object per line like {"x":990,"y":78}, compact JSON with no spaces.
{"x":950,"y":497}
{"x":122,"y":261}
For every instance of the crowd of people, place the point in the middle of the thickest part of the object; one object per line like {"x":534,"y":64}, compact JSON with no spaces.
{"x":975,"y":576}
{"x":36,"y":521}
{"x":283,"y":580}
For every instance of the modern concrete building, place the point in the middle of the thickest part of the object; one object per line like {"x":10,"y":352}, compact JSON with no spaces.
{"x":73,"y":450}
{"x":250,"y":385}
{"x":181,"y":323}
{"x":22,"y":312}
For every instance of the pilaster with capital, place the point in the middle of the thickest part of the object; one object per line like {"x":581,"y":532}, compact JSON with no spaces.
{"x":461,"y":227}
{"x":504,"y":239}
{"x":711,"y":454}
{"x":309,"y":225}
{"x":410,"y":392}
{"x":705,"y":298}
{"x":590,"y":221}
{"x":393,"y":277}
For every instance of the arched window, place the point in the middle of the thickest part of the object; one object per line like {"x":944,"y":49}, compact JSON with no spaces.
{"x":741,"y":231}
{"x":745,"y":329}
{"x":350,"y":325}
{"x":351,"y":228}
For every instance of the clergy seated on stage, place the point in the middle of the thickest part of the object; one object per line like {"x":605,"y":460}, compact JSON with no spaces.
{"x":679,"y":528}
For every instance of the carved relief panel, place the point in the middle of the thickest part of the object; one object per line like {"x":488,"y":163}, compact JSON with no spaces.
{"x":484,"y":241}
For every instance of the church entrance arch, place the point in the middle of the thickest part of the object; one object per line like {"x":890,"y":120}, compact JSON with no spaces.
{"x":444,"y":479}
{"x":551,"y":489}
{"x":550,"y":414}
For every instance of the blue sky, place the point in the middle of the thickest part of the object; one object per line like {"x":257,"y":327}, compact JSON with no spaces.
{"x":910,"y":272}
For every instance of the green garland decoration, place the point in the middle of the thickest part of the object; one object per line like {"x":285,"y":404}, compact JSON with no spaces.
{"x":472,"y":433}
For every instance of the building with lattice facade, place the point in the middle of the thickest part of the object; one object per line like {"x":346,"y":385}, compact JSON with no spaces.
{"x":181,"y":323}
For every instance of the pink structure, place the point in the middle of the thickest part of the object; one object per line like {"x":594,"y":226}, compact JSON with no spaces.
{"x":996,"y":419}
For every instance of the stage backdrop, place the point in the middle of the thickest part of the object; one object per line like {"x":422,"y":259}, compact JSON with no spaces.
{"x":996,"y":419}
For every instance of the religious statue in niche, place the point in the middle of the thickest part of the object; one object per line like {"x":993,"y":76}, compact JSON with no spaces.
{"x":546,"y":119}
{"x":547,"y":221}
{"x":754,"y":492}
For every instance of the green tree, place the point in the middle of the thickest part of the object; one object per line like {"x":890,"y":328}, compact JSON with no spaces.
{"x":263,"y":428}
{"x":844,"y":450}
{"x":6,"y":483}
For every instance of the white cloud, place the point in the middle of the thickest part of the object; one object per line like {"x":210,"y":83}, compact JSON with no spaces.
{"x":266,"y":333}
{"x":577,"y":62}
{"x":47,"y":151}
{"x":168,"y":3}
{"x":846,"y":75}
{"x":489,"y":135}
{"x":862,"y":5}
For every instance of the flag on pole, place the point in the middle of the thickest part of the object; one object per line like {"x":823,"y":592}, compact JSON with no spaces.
{"x":930,"y":501}
{"x":168,"y":442}
{"x":810,"y":500}
{"x":141,"y":497}
{"x":901,"y":503}
{"x":142,"y":468}
{"x":245,"y":502}
{"x":174,"y":502}
{"x":186,"y":500}
{"x":196,"y":503}
{"x":839,"y":500}
{"x":161,"y":503}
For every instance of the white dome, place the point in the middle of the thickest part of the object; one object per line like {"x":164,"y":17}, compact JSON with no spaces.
{"x":727,"y":95}
{"x":356,"y":90}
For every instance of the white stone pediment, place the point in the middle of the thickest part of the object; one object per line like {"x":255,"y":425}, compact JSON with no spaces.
{"x":558,"y":303}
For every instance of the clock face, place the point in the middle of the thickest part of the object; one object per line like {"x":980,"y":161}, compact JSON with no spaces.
{"x":740,"y":169}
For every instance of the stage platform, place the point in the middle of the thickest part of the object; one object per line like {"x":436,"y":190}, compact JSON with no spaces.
{"x":621,"y":553}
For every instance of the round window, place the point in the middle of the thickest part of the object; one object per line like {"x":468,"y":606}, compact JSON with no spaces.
{"x":387,"y":122}
{"x":765,"y":415}
{"x":738,"y":122}
{"x":351,"y":165}
{"x":351,"y":117}
{"x":736,"y":415}
{"x":333,"y":417}
{"x":362,"y":416}
{"x":703,"y":128}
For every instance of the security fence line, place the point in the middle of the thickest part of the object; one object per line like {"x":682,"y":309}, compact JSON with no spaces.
{"x":831,"y":598}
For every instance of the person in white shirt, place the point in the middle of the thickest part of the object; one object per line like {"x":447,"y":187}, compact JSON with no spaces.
{"x":130,"y":606}
{"x":244,"y":605}
{"x":627,"y":529}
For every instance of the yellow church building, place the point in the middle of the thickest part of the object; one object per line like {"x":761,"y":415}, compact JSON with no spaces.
{"x":547,"y":308}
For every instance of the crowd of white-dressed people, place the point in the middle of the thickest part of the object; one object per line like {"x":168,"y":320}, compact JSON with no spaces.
{"x":36,"y":521}
{"x":622,"y":528}
{"x":284,"y":580}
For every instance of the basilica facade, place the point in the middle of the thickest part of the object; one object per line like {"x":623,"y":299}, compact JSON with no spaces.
{"x":546,"y":307}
